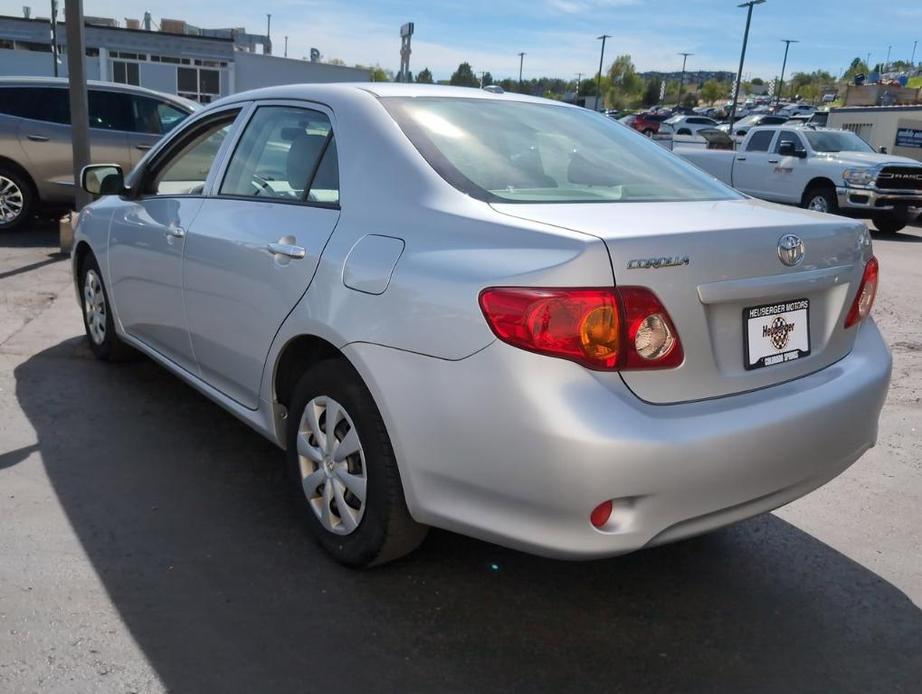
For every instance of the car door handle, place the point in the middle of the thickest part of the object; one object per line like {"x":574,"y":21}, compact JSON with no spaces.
{"x":37,"y":138}
{"x":143,"y":148}
{"x":772,"y":161}
{"x":741,"y":158}
{"x":286,"y":249}
{"x":175,"y":231}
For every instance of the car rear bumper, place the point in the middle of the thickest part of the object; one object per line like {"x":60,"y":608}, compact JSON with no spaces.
{"x":518,"y":448}
{"x":872,"y":201}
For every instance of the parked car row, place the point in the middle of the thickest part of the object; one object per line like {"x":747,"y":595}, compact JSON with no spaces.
{"x":36,"y":155}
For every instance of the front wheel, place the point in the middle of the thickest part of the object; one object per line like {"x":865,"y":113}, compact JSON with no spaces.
{"x":344,"y":470}
{"x":820,"y":200}
{"x":888,"y":224}
{"x":97,"y":315}
{"x":16,"y":199}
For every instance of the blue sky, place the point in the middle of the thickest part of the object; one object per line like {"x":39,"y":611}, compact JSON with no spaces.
{"x":558,"y":36}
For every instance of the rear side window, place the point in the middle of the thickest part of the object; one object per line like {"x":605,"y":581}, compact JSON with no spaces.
{"x":283,"y":150}
{"x":109,"y":110}
{"x":49,"y":104}
{"x":760,"y":141}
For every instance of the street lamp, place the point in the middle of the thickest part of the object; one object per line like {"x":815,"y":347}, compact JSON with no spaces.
{"x":784,"y":64}
{"x":739,"y":73}
{"x":598,"y":83}
{"x":912,"y":61}
{"x":521,"y":60}
{"x":682,"y":81}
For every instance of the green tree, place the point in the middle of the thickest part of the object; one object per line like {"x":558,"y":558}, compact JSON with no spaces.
{"x":857,"y":67}
{"x":758,"y":81}
{"x":651,"y":93}
{"x":424,"y":76}
{"x":711,"y":91}
{"x":464,"y":77}
{"x":487,"y":79}
{"x":337,"y":61}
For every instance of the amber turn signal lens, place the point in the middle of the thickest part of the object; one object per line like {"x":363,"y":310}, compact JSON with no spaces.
{"x":599,"y":333}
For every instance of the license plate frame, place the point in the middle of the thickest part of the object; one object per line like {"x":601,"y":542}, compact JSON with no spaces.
{"x":766,"y":326}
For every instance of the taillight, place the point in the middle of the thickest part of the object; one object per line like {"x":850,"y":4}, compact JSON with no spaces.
{"x":864,"y":299}
{"x":605,"y":329}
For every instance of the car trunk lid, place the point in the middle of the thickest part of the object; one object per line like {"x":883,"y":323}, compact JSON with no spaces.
{"x":733,"y":265}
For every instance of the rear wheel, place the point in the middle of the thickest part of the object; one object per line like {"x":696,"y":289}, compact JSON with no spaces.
{"x":820,"y":199}
{"x":344,"y":470}
{"x":16,"y":199}
{"x":888,"y":224}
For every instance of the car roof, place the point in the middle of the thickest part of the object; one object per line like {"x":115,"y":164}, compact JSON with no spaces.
{"x":111,"y":86}
{"x":381,"y":89}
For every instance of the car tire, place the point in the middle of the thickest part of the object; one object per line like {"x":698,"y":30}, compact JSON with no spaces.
{"x":16,"y":199}
{"x":888,"y":224}
{"x":820,"y":199}
{"x":366,"y":531}
{"x":97,"y":314}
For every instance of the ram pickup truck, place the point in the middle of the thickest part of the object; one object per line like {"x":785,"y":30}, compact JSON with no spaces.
{"x":820,"y":169}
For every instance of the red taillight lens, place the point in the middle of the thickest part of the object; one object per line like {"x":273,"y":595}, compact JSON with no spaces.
{"x":867,"y":291}
{"x":624,"y":328}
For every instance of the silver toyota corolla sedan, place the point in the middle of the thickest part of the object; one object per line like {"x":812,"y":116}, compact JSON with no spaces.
{"x":504,"y":316}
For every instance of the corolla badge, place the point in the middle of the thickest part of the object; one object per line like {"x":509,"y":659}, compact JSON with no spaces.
{"x":790,"y":249}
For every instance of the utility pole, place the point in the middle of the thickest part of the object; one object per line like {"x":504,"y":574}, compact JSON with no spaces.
{"x":268,"y":46}
{"x":76,"y":76}
{"x":286,"y":46}
{"x":682,"y":80}
{"x":912,"y":61}
{"x":579,"y":76}
{"x":887,"y":64}
{"x":598,"y":82}
{"x":54,"y":36}
{"x":868,"y":64}
{"x":739,"y":73}
{"x":521,"y":62}
{"x":784,"y":64}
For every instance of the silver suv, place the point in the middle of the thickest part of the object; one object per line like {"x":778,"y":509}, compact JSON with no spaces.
{"x":36,"y":161}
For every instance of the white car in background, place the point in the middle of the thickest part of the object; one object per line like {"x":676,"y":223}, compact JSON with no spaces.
{"x":690,"y":124}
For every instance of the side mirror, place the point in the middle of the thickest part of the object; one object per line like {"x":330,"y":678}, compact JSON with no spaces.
{"x":103,"y":179}
{"x":882,"y":150}
{"x":786,"y":149}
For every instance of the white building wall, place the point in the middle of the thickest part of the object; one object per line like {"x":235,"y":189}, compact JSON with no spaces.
{"x":253,"y":70}
{"x":38,"y":64}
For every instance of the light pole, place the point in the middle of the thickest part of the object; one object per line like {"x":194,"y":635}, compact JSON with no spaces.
{"x":784,"y":64}
{"x":912,"y":61}
{"x":887,"y":64}
{"x":268,"y":33}
{"x":739,"y":73}
{"x":286,"y":46}
{"x":521,"y":61}
{"x":54,"y":36}
{"x":682,"y":80}
{"x":598,"y":83}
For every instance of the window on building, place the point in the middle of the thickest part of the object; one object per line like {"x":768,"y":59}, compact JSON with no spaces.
{"x":862,"y":130}
{"x":198,"y":84}
{"x":125,"y":73}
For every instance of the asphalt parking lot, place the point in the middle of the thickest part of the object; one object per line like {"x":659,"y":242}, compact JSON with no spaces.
{"x":148,"y":543}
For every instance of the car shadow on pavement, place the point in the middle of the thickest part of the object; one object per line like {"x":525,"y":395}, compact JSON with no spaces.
{"x":186,"y":517}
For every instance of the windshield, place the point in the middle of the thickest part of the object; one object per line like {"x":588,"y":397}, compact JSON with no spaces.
{"x":513,"y":151}
{"x":836,"y":141}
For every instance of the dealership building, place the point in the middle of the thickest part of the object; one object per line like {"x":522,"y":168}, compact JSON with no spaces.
{"x":199,"y":64}
{"x":896,"y":128}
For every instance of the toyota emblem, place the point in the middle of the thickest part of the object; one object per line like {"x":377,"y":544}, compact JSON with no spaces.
{"x":790,"y":249}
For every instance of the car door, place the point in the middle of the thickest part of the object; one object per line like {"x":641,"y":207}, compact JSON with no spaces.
{"x":789,"y":175}
{"x":750,"y":167}
{"x":44,"y":135}
{"x":110,"y":122}
{"x":148,"y":234}
{"x":152,"y":119}
{"x":253,"y":249}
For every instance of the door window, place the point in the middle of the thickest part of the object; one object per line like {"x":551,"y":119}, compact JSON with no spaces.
{"x":109,"y":110}
{"x":283,"y":150}
{"x":49,"y":104}
{"x":760,"y":141}
{"x":154,"y":116}
{"x":788,"y":136}
{"x":186,"y":168}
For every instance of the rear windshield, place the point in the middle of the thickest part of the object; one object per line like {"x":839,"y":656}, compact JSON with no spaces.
{"x":516,"y":151}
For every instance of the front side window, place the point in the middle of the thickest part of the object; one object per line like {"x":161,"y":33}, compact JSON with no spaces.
{"x":154,"y":116}
{"x":836,"y":141}
{"x":760,"y":141}
{"x":185,"y":170}
{"x":507,"y":151}
{"x":788,"y":136}
{"x":285,"y":153}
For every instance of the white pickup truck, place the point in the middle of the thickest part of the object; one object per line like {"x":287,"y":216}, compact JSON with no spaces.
{"x":819,"y":169}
